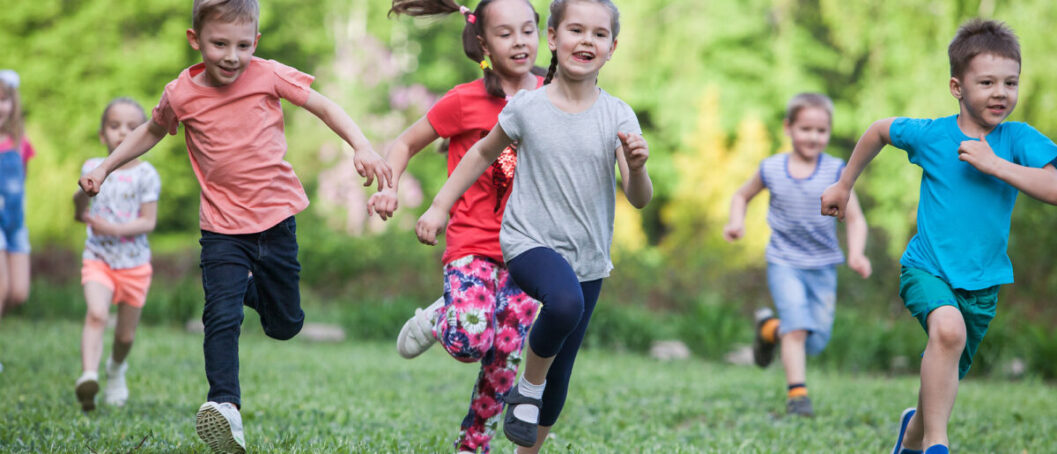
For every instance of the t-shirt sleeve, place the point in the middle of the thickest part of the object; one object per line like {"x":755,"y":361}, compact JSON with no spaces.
{"x":291,"y":84}
{"x":149,"y":186}
{"x":510,"y":119}
{"x":27,"y":151}
{"x":163,"y":115}
{"x":906,"y":133}
{"x":446,"y":115}
{"x":1032,"y":149}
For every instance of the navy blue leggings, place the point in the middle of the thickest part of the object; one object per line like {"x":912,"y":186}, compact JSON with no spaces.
{"x":567,"y":306}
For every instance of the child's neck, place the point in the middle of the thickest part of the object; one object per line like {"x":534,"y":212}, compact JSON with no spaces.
{"x":801,"y":166}
{"x":573,"y":96}
{"x":971,"y":128}
{"x":512,"y":85}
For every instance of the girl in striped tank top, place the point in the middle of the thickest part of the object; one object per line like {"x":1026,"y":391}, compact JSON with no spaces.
{"x":803,"y":252}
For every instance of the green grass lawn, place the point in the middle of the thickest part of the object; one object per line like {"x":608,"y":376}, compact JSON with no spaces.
{"x":302,"y":397}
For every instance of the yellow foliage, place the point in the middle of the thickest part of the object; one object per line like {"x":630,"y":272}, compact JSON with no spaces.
{"x":628,"y":234}
{"x":709,"y":172}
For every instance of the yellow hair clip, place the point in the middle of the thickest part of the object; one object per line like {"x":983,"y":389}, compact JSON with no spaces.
{"x":484,"y":64}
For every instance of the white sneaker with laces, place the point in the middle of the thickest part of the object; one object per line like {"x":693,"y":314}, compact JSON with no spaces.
{"x":220,"y":427}
{"x":116,"y":392}
{"x":417,"y":334}
{"x":86,"y":387}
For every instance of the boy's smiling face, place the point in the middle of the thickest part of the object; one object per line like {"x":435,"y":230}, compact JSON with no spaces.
{"x":226,"y":47}
{"x":987,"y":92}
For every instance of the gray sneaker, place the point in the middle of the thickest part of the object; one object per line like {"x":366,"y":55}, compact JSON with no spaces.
{"x":416,"y":336}
{"x":220,"y":427}
{"x":762,"y":351}
{"x":800,"y":406}
{"x":116,"y":392}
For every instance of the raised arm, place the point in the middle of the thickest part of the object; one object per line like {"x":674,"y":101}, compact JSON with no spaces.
{"x":1040,"y":183}
{"x":735,"y":228}
{"x":835,"y":198}
{"x":477,"y":159}
{"x":408,"y":144}
{"x":368,"y":164}
{"x":631,"y":160}
{"x":139,"y":141}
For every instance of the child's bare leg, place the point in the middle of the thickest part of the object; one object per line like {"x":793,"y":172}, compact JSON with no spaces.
{"x":97,"y":297}
{"x":536,"y":367}
{"x":794,"y":357}
{"x":915,"y":430}
{"x":939,"y":373}
{"x":541,"y":436}
{"x":18,"y":285}
{"x":125,"y":333}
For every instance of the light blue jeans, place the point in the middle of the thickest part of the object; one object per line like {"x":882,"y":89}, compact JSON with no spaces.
{"x":805,"y":299}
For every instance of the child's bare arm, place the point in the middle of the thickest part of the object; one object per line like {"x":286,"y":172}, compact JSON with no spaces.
{"x":1035,"y":182}
{"x":80,"y":205}
{"x":735,"y":227}
{"x":857,"y":232}
{"x":368,"y":163}
{"x":477,"y":159}
{"x":631,"y":160}
{"x":835,"y":198}
{"x":148,"y":216}
{"x":408,"y":144}
{"x":139,"y":141}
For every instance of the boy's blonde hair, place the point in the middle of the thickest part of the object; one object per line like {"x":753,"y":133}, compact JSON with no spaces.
{"x":980,"y":36}
{"x":14,"y":126}
{"x":224,"y":11}
{"x":805,"y":100}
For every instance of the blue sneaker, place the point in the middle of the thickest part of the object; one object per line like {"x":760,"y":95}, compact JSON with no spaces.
{"x":904,"y":421}
{"x":937,"y":449}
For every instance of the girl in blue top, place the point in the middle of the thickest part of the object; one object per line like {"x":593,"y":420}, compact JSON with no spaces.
{"x":803,"y":252}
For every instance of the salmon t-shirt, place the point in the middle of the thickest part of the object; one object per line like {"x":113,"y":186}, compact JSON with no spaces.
{"x":235,"y":139}
{"x":465,"y":115}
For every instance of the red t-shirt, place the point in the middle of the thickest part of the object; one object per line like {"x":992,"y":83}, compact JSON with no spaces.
{"x":465,"y":115}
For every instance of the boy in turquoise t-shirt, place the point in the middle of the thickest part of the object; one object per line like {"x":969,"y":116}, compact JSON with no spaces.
{"x":973,"y":167}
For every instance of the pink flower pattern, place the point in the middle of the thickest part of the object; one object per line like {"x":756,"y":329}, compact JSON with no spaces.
{"x":481,"y":286}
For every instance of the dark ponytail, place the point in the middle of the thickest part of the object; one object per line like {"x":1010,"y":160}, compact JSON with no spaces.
{"x":553,"y":68}
{"x":474,"y":28}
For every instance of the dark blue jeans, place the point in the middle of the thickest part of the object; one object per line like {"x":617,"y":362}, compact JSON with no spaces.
{"x":273,"y":292}
{"x":559,"y":330}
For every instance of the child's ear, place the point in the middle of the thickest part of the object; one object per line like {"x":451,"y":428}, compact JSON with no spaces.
{"x":256,"y":41}
{"x":786,"y":125}
{"x":956,"y":88}
{"x":102,"y":138}
{"x":192,"y":39}
{"x":552,"y":39}
{"x":484,"y":46}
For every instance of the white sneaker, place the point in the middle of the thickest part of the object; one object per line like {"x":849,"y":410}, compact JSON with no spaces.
{"x":220,"y":427}
{"x":417,"y":334}
{"x":86,"y":387}
{"x":116,"y":392}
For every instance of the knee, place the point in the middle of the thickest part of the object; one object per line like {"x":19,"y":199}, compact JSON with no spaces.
{"x":96,"y":318}
{"x":17,"y":297}
{"x":125,"y":338}
{"x":563,"y":310}
{"x":947,"y":334}
{"x":284,"y":331}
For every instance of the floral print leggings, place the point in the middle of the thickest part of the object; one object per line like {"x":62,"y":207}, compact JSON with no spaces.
{"x":485,"y":318}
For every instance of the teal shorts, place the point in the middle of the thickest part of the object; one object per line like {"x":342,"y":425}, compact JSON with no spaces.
{"x":923,"y":293}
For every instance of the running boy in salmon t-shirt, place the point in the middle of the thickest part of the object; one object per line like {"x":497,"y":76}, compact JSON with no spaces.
{"x":233,"y":124}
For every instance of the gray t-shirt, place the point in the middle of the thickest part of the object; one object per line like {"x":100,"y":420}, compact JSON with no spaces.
{"x":565,"y":183}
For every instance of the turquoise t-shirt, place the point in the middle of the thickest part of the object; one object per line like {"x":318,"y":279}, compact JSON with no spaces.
{"x":964,"y":214}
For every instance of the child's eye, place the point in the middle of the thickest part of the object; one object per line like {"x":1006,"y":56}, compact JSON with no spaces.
{"x":504,"y":35}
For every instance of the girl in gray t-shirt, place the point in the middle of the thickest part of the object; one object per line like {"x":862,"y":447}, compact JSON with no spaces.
{"x":558,"y":224}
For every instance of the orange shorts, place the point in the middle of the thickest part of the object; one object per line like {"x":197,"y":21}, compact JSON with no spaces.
{"x":129,"y":285}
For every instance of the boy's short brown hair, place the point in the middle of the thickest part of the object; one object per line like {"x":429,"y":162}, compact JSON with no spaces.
{"x":223,"y":10}
{"x":980,"y":36}
{"x":805,"y":100}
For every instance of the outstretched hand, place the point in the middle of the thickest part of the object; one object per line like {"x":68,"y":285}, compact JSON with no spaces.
{"x":384,"y":203}
{"x":835,"y":201}
{"x":636,"y":150}
{"x":979,"y":154}
{"x":370,"y":165}
{"x":860,"y":264}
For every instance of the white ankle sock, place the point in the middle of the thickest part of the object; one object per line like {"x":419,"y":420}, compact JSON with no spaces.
{"x":527,"y":412}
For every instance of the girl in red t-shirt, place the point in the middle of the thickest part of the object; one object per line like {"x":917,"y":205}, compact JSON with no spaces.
{"x":483,"y":316}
